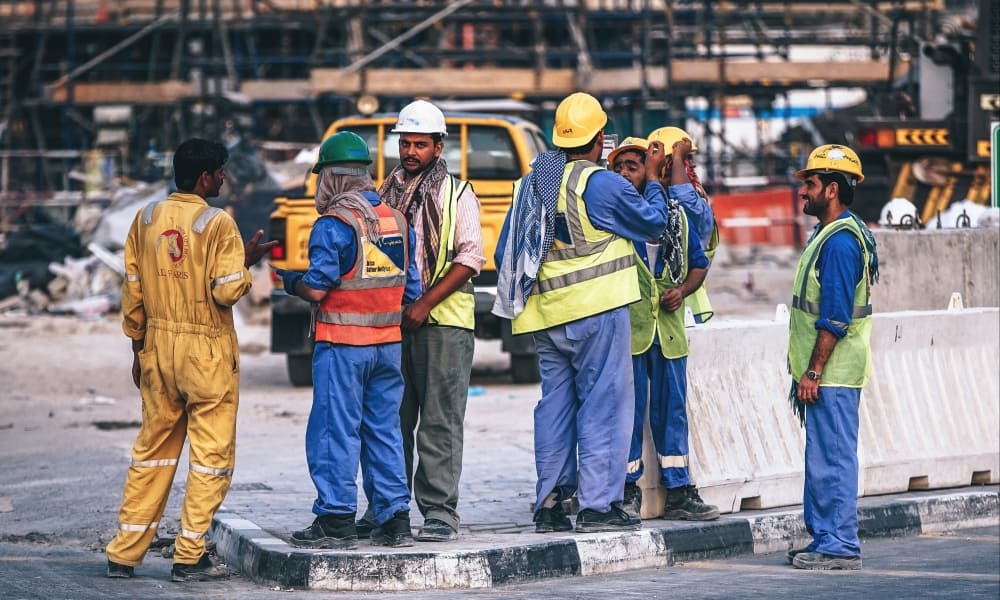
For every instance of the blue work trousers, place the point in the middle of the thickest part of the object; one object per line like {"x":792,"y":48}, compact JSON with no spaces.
{"x":586,"y":409}
{"x":355,"y":417}
{"x":830,"y":498}
{"x":663,"y":381}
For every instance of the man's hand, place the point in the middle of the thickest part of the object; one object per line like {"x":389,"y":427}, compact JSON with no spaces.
{"x":671,"y":299}
{"x":289,"y":279}
{"x":254,"y":250}
{"x":681,"y":151}
{"x":656,"y":160}
{"x":137,"y":345}
{"x":808,"y":390}
{"x":415,"y":314}
{"x":136,"y":369}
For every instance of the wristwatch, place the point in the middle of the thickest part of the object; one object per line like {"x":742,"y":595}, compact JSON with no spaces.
{"x":812,"y":375}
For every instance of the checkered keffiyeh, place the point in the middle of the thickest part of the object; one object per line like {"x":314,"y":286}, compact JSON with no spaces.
{"x":530,"y":234}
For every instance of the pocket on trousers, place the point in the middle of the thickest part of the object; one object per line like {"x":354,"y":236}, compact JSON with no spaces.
{"x":149,"y":370}
{"x":582,"y":329}
{"x":207,"y":375}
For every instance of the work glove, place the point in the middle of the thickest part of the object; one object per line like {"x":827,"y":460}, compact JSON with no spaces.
{"x":289,"y":279}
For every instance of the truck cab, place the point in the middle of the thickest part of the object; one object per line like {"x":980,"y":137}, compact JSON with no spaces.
{"x":490,"y":151}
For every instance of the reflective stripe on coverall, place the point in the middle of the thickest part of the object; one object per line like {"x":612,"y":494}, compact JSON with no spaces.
{"x":184,"y":271}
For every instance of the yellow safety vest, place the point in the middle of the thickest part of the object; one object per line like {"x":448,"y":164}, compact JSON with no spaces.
{"x":649,"y":318}
{"x":459,"y":308}
{"x":593,"y":273}
{"x":850,"y":364}
{"x":698,"y":301}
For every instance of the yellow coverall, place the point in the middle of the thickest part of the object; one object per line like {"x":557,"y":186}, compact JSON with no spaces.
{"x":184,"y":265}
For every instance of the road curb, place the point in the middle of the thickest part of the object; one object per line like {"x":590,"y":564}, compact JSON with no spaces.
{"x":504,"y":559}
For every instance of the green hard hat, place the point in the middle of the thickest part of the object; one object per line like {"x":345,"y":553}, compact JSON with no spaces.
{"x":343,"y":146}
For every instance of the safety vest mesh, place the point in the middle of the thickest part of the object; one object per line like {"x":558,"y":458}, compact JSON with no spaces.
{"x":699,"y":302}
{"x":648,"y":317}
{"x":592,"y":273}
{"x":459,"y":308}
{"x":365,"y":309}
{"x":850,"y":363}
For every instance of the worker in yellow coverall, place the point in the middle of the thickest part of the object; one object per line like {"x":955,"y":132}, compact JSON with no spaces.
{"x":185,"y":267}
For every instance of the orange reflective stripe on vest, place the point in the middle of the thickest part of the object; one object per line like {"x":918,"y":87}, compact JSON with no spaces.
{"x":365,"y":309}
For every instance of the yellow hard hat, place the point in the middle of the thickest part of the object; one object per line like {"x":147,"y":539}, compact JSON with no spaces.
{"x":832,"y":157}
{"x":670,"y":136}
{"x":579,"y":117}
{"x":630,"y":143}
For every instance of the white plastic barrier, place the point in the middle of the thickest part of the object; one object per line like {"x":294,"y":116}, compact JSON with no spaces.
{"x":930,"y":416}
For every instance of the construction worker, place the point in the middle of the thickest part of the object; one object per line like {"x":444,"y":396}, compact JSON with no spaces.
{"x":829,"y":354}
{"x":670,"y":268}
{"x":681,"y":181}
{"x":567,"y":274}
{"x":360,"y":274}
{"x":438,"y":327}
{"x":185,"y":267}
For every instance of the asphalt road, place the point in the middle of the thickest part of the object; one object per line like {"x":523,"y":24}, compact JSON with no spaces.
{"x":68,"y":416}
{"x":958,"y":564}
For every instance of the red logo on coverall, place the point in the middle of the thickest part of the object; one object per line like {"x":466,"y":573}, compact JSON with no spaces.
{"x":175,"y":244}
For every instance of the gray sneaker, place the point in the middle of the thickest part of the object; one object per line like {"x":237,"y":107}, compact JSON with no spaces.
{"x":791,"y":554}
{"x":632,"y":502}
{"x":436,"y":530}
{"x":817,"y":561}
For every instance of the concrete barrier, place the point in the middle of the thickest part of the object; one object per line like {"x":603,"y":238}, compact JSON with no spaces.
{"x":930,"y":415}
{"x":921,"y":269}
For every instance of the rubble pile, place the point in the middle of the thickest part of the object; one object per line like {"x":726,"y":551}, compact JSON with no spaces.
{"x":77,"y":267}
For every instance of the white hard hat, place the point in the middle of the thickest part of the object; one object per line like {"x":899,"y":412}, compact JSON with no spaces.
{"x":900,"y":213}
{"x":420,"y":116}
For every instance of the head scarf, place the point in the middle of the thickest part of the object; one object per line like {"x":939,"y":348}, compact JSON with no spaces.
{"x":344,"y":191}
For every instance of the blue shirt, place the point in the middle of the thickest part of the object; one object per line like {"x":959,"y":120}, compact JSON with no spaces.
{"x":840,"y":269}
{"x":698,"y":211}
{"x":333,"y":246}
{"x":613,"y":204}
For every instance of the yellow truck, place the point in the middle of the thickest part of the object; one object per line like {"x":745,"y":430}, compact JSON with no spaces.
{"x":490,"y":151}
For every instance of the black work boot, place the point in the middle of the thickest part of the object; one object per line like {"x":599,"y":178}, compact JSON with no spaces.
{"x":203,"y":570}
{"x":364,"y":528}
{"x":633,"y":499}
{"x":119,"y":571}
{"x":684,"y":503}
{"x":395,"y":532}
{"x":330,"y":532}
{"x":552,"y":519}
{"x":616,"y":519}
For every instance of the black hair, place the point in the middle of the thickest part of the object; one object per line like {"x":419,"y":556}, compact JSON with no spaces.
{"x":845,"y":191}
{"x":194,"y":157}
{"x":584,"y":149}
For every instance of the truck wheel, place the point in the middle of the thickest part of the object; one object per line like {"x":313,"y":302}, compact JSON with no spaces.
{"x":300,"y":369}
{"x":524,"y":368}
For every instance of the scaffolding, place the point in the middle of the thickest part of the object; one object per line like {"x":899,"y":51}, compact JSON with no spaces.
{"x":282,"y":69}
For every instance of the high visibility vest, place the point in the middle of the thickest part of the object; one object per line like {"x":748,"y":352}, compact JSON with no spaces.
{"x":366,"y":308}
{"x":649,"y":318}
{"x":459,"y":308}
{"x":850,"y":363}
{"x":698,"y":301}
{"x":593,"y":272}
